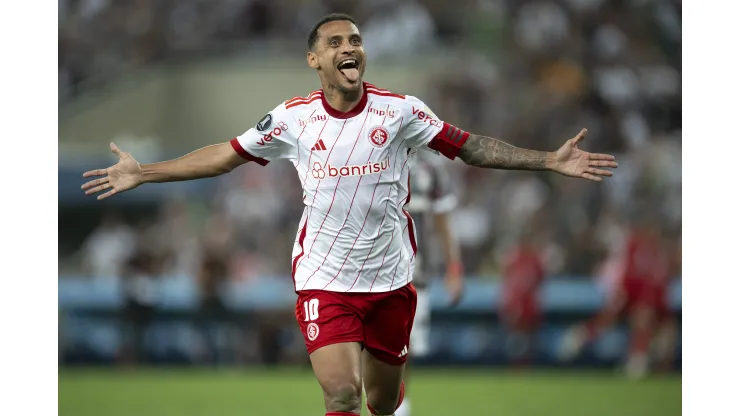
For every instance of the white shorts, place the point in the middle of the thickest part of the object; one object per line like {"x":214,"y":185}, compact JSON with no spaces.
{"x":419,"y":343}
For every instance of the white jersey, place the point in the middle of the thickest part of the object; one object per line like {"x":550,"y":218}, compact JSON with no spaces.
{"x":354,"y":235}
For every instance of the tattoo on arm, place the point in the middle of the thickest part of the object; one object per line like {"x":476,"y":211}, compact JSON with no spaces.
{"x":486,"y":152}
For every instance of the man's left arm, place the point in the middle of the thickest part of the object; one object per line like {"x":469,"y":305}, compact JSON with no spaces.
{"x":425,"y":128}
{"x":569,"y":160}
{"x":487,"y":152}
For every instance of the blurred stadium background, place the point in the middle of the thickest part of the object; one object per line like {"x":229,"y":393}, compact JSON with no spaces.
{"x":177,"y":299}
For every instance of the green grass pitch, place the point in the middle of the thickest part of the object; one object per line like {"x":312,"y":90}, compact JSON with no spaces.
{"x":434,"y":392}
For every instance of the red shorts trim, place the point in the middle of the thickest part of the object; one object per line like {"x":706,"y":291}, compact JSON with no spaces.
{"x":382,"y":322}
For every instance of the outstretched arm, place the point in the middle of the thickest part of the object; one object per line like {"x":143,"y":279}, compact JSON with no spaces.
{"x":128,"y":173}
{"x":487,"y":152}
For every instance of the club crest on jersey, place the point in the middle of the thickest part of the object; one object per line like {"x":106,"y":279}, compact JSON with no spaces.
{"x":264,"y":123}
{"x":312,"y":331}
{"x":378,"y":136}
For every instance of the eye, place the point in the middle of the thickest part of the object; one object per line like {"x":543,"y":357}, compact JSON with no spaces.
{"x":357,"y":42}
{"x":334,"y":43}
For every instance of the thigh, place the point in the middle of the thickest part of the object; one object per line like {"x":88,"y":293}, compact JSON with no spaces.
{"x":387,"y":324}
{"x":337,"y":368}
{"x":327,"y":318}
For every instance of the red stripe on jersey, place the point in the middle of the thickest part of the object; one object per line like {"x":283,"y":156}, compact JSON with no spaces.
{"x":298,"y":140}
{"x":310,"y":211}
{"x":372,"y":199}
{"x":304,"y":102}
{"x":300,"y":242}
{"x":305,"y":177}
{"x":412,"y":238}
{"x":306,"y":98}
{"x":246,"y":155}
{"x":382,"y":221}
{"x":375,"y":87}
{"x":382,"y":262}
{"x":449,"y":141}
{"x":332,"y":202}
{"x":385,"y":93}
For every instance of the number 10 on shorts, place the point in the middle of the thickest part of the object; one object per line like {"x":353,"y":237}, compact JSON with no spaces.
{"x":311,"y":310}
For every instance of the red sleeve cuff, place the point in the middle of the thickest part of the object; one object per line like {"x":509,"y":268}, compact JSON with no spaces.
{"x":246,"y":155}
{"x":449,"y":141}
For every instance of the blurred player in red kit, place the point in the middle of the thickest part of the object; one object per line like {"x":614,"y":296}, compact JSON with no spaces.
{"x":640,"y":290}
{"x":354,"y":255}
{"x":523,"y":273}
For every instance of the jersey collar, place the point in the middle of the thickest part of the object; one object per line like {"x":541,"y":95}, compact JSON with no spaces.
{"x":351,"y":113}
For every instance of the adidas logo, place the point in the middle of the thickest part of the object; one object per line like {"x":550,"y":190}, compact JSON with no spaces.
{"x":319,"y":145}
{"x":404,"y":352}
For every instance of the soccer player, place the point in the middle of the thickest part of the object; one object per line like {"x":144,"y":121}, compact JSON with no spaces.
{"x":523,"y":274}
{"x":432,"y":200}
{"x":640,"y":289}
{"x":355,"y":249}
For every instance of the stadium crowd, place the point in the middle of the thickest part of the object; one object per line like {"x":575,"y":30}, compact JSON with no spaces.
{"x":530,"y":72}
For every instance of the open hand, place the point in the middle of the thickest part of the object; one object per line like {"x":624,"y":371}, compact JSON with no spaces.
{"x":572,"y":161}
{"x":124,"y":175}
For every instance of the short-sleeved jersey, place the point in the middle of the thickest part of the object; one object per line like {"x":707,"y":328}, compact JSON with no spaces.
{"x":354,"y":235}
{"x":432,"y":192}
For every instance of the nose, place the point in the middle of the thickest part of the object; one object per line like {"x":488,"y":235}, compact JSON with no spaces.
{"x":348,"y":49}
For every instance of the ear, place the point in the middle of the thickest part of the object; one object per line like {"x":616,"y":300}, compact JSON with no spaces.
{"x":312,"y":59}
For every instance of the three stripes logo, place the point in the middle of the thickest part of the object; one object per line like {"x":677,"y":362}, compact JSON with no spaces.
{"x":319,"y":146}
{"x":454,"y":135}
{"x":404,"y":351}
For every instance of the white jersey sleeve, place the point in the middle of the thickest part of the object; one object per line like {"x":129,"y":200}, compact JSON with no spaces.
{"x":269,"y":140}
{"x":422,"y":126}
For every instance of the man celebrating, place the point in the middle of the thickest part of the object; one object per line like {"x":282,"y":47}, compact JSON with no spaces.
{"x":353,"y":259}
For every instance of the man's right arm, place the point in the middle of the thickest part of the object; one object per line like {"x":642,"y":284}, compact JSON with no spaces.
{"x":268,"y":140}
{"x":207,"y":162}
{"x":128,"y":174}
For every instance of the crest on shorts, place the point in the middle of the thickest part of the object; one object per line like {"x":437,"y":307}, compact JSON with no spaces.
{"x":312,"y":332}
{"x":265,"y":122}
{"x":379,"y":136}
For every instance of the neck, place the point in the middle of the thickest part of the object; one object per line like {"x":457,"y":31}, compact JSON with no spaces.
{"x":342,"y":101}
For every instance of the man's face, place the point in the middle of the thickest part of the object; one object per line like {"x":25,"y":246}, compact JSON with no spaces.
{"x":339,"y":56}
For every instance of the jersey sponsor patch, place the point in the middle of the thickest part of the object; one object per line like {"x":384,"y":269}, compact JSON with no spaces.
{"x":378,"y":136}
{"x":264,"y":123}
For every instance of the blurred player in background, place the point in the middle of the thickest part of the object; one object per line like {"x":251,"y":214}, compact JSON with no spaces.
{"x":523,"y":273}
{"x":638,"y":278}
{"x":140,"y":272}
{"x":213,"y":271}
{"x":353,"y":260}
{"x":432,"y":200}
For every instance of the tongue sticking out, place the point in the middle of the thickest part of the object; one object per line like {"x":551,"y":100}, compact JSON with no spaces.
{"x":352,"y":74}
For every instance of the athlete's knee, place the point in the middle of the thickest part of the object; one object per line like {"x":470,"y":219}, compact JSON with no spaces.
{"x":382,"y":403}
{"x":381,"y":407}
{"x":344,"y":397}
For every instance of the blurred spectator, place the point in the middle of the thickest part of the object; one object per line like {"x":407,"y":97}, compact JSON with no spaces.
{"x":215,"y":254}
{"x":397,"y":28}
{"x":108,"y":247}
{"x":141,"y":271}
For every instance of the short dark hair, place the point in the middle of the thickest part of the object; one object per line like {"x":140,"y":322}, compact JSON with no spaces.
{"x":334,"y":17}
